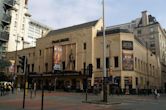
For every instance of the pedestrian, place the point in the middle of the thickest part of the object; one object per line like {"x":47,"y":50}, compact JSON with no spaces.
{"x":12,"y":87}
{"x":18,"y":87}
{"x":49,"y":87}
{"x":2,"y":89}
{"x":30,"y":90}
{"x":95,"y":89}
{"x":156,"y":94}
{"x":34,"y":88}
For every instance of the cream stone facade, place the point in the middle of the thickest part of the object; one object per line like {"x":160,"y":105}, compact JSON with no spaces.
{"x":151,"y":33}
{"x":130,"y":65}
{"x":19,"y":26}
{"x":141,"y":57}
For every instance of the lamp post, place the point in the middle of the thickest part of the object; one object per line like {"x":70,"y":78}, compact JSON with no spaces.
{"x":104,"y":58}
{"x":15,"y":65}
{"x":147,"y":67}
{"x":16,"y":56}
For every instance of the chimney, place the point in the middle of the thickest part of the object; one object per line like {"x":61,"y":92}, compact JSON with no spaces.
{"x":26,"y":2}
{"x":145,"y":18}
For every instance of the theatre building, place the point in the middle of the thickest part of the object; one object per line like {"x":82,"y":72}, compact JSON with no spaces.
{"x":64,"y":53}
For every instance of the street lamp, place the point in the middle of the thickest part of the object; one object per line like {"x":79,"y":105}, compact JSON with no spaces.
{"x":147,"y":83}
{"x":104,"y":58}
{"x":15,"y":66}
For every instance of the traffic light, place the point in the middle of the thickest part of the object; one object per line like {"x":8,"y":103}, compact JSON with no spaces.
{"x":22,"y":63}
{"x":90,"y":70}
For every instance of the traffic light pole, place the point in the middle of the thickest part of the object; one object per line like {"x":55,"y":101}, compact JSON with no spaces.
{"x":25,"y":78}
{"x":104,"y":59}
{"x":42,"y":101}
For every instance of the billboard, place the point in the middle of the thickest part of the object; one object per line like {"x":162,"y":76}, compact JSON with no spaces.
{"x":57,"y":57}
{"x":11,"y":68}
{"x":127,"y":62}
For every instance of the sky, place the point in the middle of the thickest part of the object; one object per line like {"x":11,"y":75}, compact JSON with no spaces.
{"x":64,"y":13}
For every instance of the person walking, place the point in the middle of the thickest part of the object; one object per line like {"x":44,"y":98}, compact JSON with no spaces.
{"x":34,"y":88}
{"x":12,"y":87}
{"x":156,"y":94}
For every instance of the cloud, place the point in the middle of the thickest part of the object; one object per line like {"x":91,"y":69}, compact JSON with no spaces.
{"x":64,"y":13}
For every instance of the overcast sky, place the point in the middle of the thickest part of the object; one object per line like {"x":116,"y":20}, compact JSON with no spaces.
{"x":64,"y":13}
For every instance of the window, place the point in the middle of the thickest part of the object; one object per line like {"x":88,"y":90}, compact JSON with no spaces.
{"x":139,"y":65}
{"x":32,"y":67}
{"x":139,"y":32}
{"x":107,"y":62}
{"x":98,"y":63}
{"x":116,"y":61}
{"x":151,"y":29}
{"x":40,"y":52}
{"x":23,"y":19}
{"x":22,"y":26}
{"x":15,"y":24}
{"x":74,"y":63}
{"x":46,"y":67}
{"x":152,"y":37}
{"x":135,"y":62}
{"x":84,"y":67}
{"x":17,"y":41}
{"x":152,"y":44}
{"x":63,"y":65}
{"x":153,"y":71}
{"x":136,"y":81}
{"x":84,"y":46}
{"x":16,"y":16}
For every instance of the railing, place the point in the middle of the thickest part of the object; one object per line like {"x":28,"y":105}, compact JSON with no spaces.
{"x":4,"y":36}
{"x":6,"y":18}
{"x":9,"y":3}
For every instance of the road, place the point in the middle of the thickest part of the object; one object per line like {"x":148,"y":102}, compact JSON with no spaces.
{"x":74,"y":101}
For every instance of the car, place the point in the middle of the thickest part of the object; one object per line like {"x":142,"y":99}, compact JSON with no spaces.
{"x":7,"y":85}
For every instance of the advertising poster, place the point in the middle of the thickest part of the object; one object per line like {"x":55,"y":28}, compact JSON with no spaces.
{"x":127,"y":62}
{"x":57,"y":57}
{"x":11,"y":68}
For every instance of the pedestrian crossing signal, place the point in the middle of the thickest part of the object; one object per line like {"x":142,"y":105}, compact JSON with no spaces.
{"x":22,"y":63}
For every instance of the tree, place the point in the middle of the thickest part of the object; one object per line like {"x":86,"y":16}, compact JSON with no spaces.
{"x":3,"y":76}
{"x":4,"y":63}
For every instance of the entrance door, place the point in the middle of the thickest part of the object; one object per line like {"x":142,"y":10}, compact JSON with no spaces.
{"x":73,"y":84}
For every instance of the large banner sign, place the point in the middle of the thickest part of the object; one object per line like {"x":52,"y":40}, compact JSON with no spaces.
{"x":127,"y":61}
{"x":11,"y":68}
{"x":57,"y":57}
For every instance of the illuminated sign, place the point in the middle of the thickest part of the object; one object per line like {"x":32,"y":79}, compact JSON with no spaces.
{"x":61,"y":40}
{"x":127,"y":45}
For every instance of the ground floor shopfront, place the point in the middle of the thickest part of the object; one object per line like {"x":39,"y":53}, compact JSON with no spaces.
{"x":67,"y":82}
{"x":129,"y":82}
{"x":124,"y":83}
